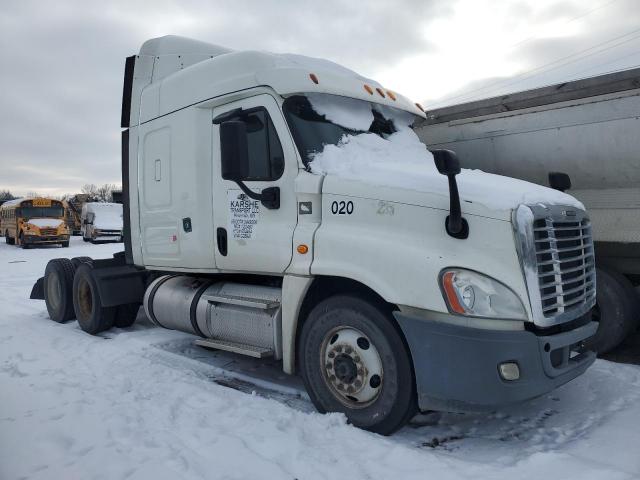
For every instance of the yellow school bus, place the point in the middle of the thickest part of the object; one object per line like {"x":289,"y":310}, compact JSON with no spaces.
{"x":33,"y":221}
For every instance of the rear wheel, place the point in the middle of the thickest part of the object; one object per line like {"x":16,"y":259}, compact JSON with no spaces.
{"x":79,"y":260}
{"x":65,"y":244}
{"x":616,"y":311}
{"x":92,"y":317}
{"x":58,"y":284}
{"x":354,"y":361}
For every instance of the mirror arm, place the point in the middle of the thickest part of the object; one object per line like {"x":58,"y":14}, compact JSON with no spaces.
{"x":454,"y":221}
{"x":269,"y":197}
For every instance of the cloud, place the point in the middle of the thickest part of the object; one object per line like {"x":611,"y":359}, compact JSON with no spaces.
{"x":61,"y":79}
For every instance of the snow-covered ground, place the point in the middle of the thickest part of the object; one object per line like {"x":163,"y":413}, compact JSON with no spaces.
{"x":144,"y":403}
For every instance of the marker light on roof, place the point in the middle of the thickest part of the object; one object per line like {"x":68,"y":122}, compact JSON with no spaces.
{"x":368,"y":89}
{"x":392,"y":95}
{"x":313,"y":78}
{"x":420,"y":107}
{"x":380,"y":92}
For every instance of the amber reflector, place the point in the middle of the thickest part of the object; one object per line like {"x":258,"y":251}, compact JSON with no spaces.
{"x":313,"y":78}
{"x":392,"y":95}
{"x":368,"y":89}
{"x":302,"y":249}
{"x":449,"y":290}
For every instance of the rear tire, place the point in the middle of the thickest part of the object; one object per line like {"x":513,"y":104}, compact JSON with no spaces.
{"x":354,"y":361}
{"x":77,"y":261}
{"x":615,"y":311}
{"x":58,"y":285}
{"x":126,"y":315}
{"x":65,"y":244}
{"x":92,"y":317}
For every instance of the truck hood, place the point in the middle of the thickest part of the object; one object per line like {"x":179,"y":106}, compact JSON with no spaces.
{"x":45,"y":222}
{"x":399,"y":168}
{"x":481,"y":194}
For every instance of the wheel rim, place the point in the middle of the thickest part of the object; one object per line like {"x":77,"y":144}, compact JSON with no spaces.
{"x":85,"y":298}
{"x":352,"y":367}
{"x":54,"y":290}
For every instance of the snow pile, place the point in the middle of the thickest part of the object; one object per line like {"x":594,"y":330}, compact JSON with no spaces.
{"x":402,"y":160}
{"x":45,"y":222}
{"x":144,"y":403}
{"x":108,"y":216}
{"x":349,"y":112}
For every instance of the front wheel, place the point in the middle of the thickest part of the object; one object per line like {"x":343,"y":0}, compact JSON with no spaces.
{"x":21,"y":241}
{"x":353,"y":360}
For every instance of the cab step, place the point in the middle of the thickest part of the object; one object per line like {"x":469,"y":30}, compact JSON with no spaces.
{"x":235,"y":347}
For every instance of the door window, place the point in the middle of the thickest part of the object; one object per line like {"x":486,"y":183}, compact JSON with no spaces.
{"x":266,"y":158}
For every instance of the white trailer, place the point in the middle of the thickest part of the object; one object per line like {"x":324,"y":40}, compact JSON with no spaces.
{"x":386,"y":297}
{"x":587,"y":129}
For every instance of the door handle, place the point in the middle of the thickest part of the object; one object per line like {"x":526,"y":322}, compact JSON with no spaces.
{"x":221,"y":240}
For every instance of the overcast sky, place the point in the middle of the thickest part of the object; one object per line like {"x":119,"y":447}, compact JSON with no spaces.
{"x":62,"y":62}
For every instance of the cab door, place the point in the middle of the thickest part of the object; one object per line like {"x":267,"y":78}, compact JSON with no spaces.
{"x":249,"y":236}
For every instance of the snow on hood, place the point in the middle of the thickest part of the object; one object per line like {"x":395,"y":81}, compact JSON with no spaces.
{"x":45,"y":222}
{"x":403,"y":161}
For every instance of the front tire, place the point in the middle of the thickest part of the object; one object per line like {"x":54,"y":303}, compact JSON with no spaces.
{"x":353,"y":360}
{"x":615,"y":311}
{"x":92,"y":317}
{"x":23,"y":245}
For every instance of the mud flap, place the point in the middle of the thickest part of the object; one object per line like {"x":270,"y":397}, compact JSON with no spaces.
{"x":37,"y":292}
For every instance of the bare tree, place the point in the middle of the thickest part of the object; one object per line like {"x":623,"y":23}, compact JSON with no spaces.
{"x":6,"y":195}
{"x":90,"y":190}
{"x":102,"y":193}
{"x":105,"y":192}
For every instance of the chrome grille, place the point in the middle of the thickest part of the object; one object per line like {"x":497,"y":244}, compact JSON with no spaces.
{"x":558,"y":258}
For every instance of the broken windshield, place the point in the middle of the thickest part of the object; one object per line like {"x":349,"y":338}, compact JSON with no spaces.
{"x":317,"y":120}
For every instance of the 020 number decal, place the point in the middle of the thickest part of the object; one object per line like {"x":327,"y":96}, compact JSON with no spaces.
{"x":342,"y":207}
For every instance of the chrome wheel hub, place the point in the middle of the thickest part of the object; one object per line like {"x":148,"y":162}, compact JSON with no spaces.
{"x":352,"y":367}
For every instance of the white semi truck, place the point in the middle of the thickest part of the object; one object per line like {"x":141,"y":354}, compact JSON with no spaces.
{"x":587,"y":129}
{"x":255,"y":219}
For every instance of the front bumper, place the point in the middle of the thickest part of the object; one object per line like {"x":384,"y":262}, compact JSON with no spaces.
{"x":40,"y":239}
{"x":456,"y":368}
{"x":107,"y":236}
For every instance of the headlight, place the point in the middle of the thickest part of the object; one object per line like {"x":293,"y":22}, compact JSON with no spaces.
{"x":472,"y":294}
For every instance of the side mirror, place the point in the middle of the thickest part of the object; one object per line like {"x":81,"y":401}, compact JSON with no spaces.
{"x":234,"y":160}
{"x":446,"y":162}
{"x":559,"y":181}
{"x":234,"y":151}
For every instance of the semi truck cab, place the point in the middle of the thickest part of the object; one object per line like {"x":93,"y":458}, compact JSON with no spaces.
{"x":263,"y":215}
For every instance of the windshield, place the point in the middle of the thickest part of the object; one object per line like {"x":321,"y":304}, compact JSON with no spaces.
{"x":42,"y":212}
{"x":317,"y":120}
